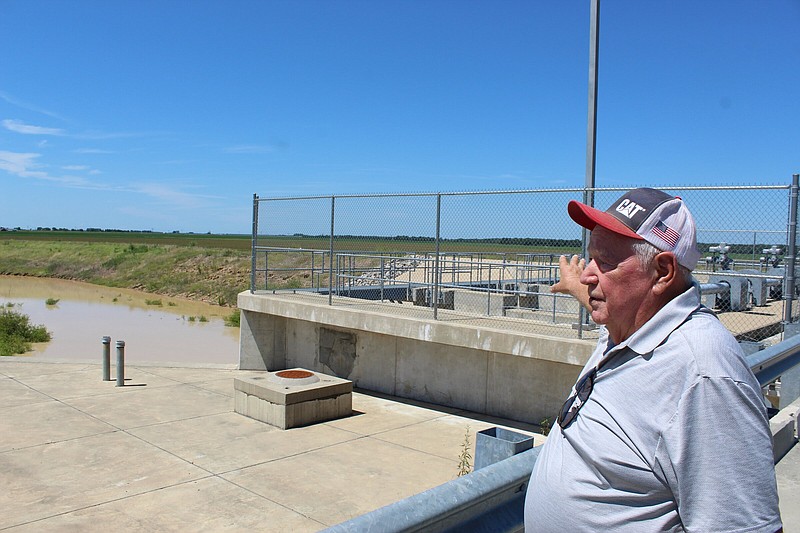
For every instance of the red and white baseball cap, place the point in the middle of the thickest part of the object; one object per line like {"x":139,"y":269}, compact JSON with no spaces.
{"x":646,"y":214}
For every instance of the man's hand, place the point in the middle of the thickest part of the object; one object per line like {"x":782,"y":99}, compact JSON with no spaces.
{"x":570,"y":280}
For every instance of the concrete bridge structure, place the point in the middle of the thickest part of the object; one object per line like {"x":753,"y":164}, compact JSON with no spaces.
{"x":462,"y":361}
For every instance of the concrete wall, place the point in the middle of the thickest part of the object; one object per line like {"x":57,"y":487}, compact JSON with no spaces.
{"x":520,"y":376}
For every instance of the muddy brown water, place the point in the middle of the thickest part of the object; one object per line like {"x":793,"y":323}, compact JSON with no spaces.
{"x":85,"y":313}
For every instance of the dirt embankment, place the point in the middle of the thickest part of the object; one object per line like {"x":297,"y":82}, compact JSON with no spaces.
{"x":212,"y":275}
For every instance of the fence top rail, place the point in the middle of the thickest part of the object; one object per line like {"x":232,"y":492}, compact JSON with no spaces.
{"x":743,"y":230}
{"x":523,"y":191}
{"x":447,"y":255}
{"x":285,"y":249}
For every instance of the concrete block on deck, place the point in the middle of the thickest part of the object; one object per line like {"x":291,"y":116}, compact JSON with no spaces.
{"x":286,"y":402}
{"x":784,"y":430}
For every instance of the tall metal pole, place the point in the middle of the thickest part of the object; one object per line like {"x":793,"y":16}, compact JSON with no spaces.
{"x":791,"y":252}
{"x":591,"y":124}
{"x":591,"y":131}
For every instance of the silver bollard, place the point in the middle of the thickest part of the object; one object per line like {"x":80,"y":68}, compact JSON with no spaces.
{"x":120,"y":363}
{"x":106,"y":358}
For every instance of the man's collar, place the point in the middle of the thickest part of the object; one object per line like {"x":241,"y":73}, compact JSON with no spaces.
{"x":648,"y":337}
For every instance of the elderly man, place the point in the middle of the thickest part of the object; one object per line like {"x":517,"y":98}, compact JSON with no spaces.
{"x":666,"y":428}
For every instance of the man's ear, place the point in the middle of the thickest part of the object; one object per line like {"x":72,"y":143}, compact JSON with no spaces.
{"x":666,"y":272}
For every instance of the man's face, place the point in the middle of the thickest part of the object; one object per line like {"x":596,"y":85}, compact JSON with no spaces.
{"x":619,"y":288}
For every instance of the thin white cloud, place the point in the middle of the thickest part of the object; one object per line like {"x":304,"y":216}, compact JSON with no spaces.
{"x":171,"y":195}
{"x":101,"y":136}
{"x":249,"y":149}
{"x":75,"y":182}
{"x":25,"y":105}
{"x":26,"y":165}
{"x":18,"y":163}
{"x":18,"y":126}
{"x":93,"y":151}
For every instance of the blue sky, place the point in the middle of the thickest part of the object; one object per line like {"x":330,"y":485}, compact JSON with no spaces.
{"x":168,"y":115}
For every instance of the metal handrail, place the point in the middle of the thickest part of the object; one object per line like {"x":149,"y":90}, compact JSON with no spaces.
{"x":770,"y":363}
{"x":493,"y":498}
{"x":489,"y":499}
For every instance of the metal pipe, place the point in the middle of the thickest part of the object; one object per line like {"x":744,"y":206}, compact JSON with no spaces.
{"x":591,"y":132}
{"x":383,"y":275}
{"x":591,"y":123}
{"x":791,"y":253}
{"x":489,"y":292}
{"x":120,"y":363}
{"x":313,"y":270}
{"x":715,"y":288}
{"x":106,"y":358}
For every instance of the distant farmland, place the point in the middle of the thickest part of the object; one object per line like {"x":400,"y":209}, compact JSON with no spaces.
{"x":316,"y":242}
{"x":234,"y":242}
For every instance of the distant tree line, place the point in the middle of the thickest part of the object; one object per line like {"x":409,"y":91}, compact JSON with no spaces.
{"x":96,"y":230}
{"x":88,"y":230}
{"x":511,"y":241}
{"x":735,"y":249}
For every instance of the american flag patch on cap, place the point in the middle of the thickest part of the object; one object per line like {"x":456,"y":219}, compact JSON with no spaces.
{"x":667,"y":234}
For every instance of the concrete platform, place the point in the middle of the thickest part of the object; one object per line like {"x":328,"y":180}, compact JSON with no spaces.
{"x":167,"y":452}
{"x":293,"y":398}
{"x":461,"y":361}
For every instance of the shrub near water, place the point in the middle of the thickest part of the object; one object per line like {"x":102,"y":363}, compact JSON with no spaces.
{"x":17,"y":333}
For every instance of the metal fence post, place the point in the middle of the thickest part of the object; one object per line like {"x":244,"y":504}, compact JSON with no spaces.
{"x":436,"y":273}
{"x":106,"y":358}
{"x":792,"y":251}
{"x":313,"y":270}
{"x":330,"y":261}
{"x":120,"y":363}
{"x":253,"y":245}
{"x":489,"y":292}
{"x":383,"y":274}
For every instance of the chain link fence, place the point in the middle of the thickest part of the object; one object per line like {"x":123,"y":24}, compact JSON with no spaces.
{"x":492,"y":256}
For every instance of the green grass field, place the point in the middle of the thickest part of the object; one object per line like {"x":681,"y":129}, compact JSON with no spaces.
{"x":234,"y":242}
{"x":211,"y":268}
{"x":243,"y":242}
{"x":215,"y":268}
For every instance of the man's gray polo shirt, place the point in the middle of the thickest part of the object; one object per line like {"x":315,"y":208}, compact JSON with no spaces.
{"x":674,"y":435}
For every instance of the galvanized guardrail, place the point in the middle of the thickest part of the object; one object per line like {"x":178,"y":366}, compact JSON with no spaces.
{"x":492,"y":499}
{"x":769,"y":364}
